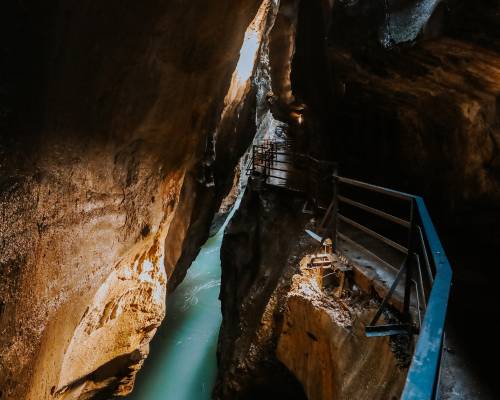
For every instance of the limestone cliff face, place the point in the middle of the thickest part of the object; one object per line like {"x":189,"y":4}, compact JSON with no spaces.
{"x":107,"y":188}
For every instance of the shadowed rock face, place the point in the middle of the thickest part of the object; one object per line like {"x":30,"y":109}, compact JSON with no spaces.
{"x":256,"y":276}
{"x":428,"y":109}
{"x":434,"y":112}
{"x":104,"y":192}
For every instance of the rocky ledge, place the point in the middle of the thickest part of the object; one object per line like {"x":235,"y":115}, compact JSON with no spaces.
{"x":285,"y":333}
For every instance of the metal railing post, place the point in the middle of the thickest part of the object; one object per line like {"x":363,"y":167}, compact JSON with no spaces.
{"x":335,"y":209}
{"x":253,"y":160}
{"x":409,"y":265}
{"x":267,"y":166}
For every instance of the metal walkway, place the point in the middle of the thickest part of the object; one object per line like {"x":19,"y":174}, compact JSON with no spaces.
{"x":386,"y":235}
{"x":276,"y":163}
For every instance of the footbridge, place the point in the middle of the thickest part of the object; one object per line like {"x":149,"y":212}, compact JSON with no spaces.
{"x":388,"y":238}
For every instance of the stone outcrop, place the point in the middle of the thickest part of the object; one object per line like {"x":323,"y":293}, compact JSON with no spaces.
{"x":324,"y":345}
{"x":107,"y":180}
{"x":255,"y":279}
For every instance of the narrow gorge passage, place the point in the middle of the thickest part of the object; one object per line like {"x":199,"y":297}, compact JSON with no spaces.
{"x":357,"y":144}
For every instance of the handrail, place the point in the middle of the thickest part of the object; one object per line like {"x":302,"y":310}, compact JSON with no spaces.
{"x":372,"y":210}
{"x":422,"y":377}
{"x":375,"y":188}
{"x":424,"y":371}
{"x":381,"y":260}
{"x":374,"y":234}
{"x":424,"y":251}
{"x":302,"y":170}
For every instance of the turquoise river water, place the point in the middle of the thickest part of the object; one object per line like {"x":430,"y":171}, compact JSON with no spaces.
{"x":182,"y":361}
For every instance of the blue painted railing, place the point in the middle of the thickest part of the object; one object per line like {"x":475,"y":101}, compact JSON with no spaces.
{"x":432,"y":282}
{"x":422,"y":381}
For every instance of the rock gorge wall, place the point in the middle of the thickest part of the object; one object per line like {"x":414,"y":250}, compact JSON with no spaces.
{"x":430,"y":110}
{"x":107,"y":180}
{"x":282,"y":49}
{"x":256,"y":274}
{"x":425,"y":105}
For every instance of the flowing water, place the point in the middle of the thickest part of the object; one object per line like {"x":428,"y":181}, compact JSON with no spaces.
{"x":182,"y":363}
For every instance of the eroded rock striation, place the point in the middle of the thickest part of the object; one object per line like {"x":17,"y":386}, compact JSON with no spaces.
{"x":256,"y":276}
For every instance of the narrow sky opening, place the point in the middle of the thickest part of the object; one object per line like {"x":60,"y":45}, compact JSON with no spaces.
{"x":248,"y":55}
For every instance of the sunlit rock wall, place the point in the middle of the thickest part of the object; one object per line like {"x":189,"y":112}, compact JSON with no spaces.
{"x":282,"y":49}
{"x":324,"y":344}
{"x":105,"y":185}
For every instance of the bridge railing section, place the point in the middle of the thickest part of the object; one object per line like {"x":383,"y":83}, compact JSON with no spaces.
{"x":425,"y":271}
{"x":278,"y":164}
